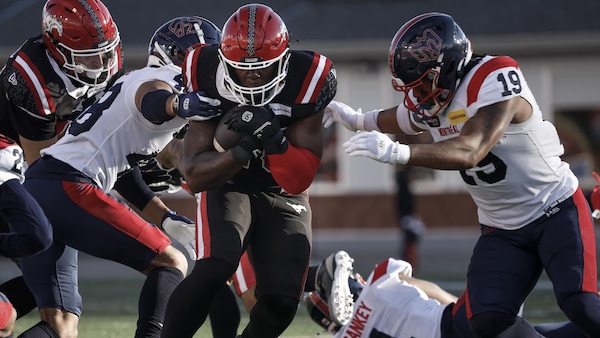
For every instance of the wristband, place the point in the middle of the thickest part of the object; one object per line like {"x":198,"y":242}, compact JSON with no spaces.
{"x":401,"y":153}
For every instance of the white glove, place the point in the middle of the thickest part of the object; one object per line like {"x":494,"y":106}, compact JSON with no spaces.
{"x":343,"y":114}
{"x":377,"y":146}
{"x":182,"y":229}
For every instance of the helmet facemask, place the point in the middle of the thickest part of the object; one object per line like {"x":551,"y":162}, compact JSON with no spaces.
{"x":259,"y":95}
{"x":433,"y":99}
{"x":91,"y":67}
{"x":254,"y":39}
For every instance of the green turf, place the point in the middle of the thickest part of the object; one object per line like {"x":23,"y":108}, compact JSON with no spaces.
{"x":110,"y":311}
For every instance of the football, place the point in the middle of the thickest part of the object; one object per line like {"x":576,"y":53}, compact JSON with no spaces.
{"x":225,"y":138}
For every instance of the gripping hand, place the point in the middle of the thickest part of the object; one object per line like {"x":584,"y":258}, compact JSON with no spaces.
{"x":260,"y":122}
{"x":248,"y":148}
{"x":183,"y":230}
{"x":196,"y":106}
{"x":377,"y":146}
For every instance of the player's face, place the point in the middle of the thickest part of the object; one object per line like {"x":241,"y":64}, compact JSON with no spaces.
{"x":422,"y":92}
{"x":256,"y":77}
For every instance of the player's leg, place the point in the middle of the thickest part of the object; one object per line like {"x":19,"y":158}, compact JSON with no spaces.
{"x":94,"y":222}
{"x":503,"y":270}
{"x":51,"y":275}
{"x":15,"y":289}
{"x":221,"y":231}
{"x":568,"y":251}
{"x":244,"y":281}
{"x":280,"y":253}
{"x":133,"y":242}
{"x":224,"y":313}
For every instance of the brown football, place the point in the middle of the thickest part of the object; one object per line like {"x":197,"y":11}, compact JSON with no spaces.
{"x":225,"y":138}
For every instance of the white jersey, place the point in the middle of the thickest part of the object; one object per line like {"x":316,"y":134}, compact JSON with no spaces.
{"x":98,"y":141}
{"x":391,"y":306}
{"x":11,"y":161}
{"x":523,"y":176}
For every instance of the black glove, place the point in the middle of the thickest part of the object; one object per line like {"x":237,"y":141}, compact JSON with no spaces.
{"x":247,"y":148}
{"x":196,"y":106}
{"x":260,"y":122}
{"x":153,"y":175}
{"x":180,"y":134}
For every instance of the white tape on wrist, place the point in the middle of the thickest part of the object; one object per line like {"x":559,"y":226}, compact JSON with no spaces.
{"x":402,"y":152}
{"x":360,"y":122}
{"x":370,"y":120}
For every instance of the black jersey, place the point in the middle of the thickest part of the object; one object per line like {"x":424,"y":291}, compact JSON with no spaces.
{"x":310,"y":85}
{"x":36,"y":96}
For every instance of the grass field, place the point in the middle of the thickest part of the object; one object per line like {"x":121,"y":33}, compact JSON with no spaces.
{"x":110,"y":311}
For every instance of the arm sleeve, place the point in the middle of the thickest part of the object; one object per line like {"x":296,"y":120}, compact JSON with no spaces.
{"x":295,"y":169}
{"x":30,"y":230}
{"x":132,"y":187}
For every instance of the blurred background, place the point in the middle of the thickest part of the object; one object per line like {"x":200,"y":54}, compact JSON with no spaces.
{"x":356,"y":201}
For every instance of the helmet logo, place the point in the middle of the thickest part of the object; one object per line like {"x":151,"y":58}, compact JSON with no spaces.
{"x":427,"y":47}
{"x":51,"y":22}
{"x":182,"y":28}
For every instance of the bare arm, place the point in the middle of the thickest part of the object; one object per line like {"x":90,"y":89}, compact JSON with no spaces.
{"x":201,"y":165}
{"x":479,"y":134}
{"x":431,"y":289}
{"x":31,"y":148}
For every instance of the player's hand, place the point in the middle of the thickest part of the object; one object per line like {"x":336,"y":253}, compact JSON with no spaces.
{"x":196,"y":106}
{"x":182,"y":229}
{"x":377,"y":146}
{"x":152,"y":173}
{"x":248,"y":148}
{"x":344,"y":114}
{"x":260,"y":122}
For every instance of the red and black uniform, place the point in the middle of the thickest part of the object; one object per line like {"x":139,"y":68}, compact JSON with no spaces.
{"x":252,"y":209}
{"x":37,"y":99}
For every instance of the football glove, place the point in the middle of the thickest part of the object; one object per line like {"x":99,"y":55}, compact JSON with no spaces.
{"x":260,"y":122}
{"x":377,"y":146}
{"x":152,"y":173}
{"x":196,"y":107}
{"x":182,"y":229}
{"x":353,"y":120}
{"x":248,"y":148}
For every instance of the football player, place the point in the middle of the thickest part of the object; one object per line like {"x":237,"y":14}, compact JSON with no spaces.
{"x":51,"y":78}
{"x":393,"y":303}
{"x":253,"y":194}
{"x":29,"y":229}
{"x":486,"y":124}
{"x":135,"y":118}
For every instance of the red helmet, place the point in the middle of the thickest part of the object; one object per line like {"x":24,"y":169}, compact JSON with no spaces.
{"x":83,"y":39}
{"x":255,"y":37}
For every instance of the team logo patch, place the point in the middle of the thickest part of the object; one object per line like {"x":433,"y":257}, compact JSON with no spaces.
{"x":298,"y":208}
{"x":458,"y":117}
{"x":247,"y":116}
